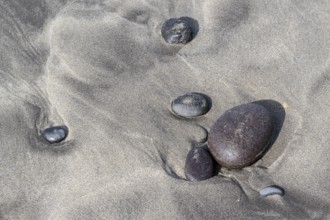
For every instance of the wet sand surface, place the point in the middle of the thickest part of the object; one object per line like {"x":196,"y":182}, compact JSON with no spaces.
{"x":102,"y":69}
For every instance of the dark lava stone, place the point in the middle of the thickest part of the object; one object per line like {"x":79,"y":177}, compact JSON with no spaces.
{"x":199,"y":164}
{"x":176,"y":31}
{"x":190,"y":105}
{"x":55,"y":134}
{"x":240,"y":135}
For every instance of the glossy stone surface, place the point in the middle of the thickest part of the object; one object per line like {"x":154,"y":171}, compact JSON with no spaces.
{"x":55,"y":134}
{"x":240,"y":135}
{"x":199,"y":164}
{"x":271,"y":190}
{"x":190,"y":105}
{"x":176,"y":31}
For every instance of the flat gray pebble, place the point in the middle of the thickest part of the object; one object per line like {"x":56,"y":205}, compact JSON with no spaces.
{"x":176,"y":31}
{"x":271,"y":190}
{"x":190,"y":105}
{"x":55,"y":134}
{"x":199,"y":164}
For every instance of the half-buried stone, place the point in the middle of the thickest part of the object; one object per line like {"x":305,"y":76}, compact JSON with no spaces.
{"x":271,"y":190}
{"x":190,"y":105}
{"x":240,"y":136}
{"x":176,"y":31}
{"x":55,"y":134}
{"x":199,"y":164}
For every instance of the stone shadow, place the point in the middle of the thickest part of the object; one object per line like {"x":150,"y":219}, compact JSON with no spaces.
{"x":277,"y":112}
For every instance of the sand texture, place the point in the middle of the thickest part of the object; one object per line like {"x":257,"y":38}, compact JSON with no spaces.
{"x":102,"y":69}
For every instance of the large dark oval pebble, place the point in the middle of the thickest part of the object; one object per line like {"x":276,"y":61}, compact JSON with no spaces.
{"x":55,"y":134}
{"x":240,"y":135}
{"x":199,"y":164}
{"x":190,"y":105}
{"x":176,"y":31}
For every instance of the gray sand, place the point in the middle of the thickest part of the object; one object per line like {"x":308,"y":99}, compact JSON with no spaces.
{"x":102,"y":69}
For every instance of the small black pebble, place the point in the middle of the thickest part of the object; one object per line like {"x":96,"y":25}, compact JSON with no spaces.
{"x":199,"y":164}
{"x":55,"y":134}
{"x":190,"y":105}
{"x":176,"y":31}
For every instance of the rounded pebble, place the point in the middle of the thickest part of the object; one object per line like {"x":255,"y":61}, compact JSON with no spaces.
{"x":176,"y":31}
{"x":271,"y":190}
{"x":190,"y":105}
{"x":240,"y":135}
{"x":199,"y":164}
{"x":55,"y":134}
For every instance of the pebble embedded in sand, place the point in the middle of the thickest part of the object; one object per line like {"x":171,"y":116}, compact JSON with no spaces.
{"x":55,"y":134}
{"x":190,"y":105}
{"x":199,"y":164}
{"x":240,"y":135}
{"x":176,"y":31}
{"x":271,"y":190}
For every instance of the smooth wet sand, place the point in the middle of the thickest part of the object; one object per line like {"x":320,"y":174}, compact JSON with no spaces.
{"x":102,"y":69}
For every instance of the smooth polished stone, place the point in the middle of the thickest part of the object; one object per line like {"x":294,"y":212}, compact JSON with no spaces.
{"x":55,"y":134}
{"x":272,"y":190}
{"x":240,"y":136}
{"x":190,"y":105}
{"x":199,"y":164}
{"x":176,"y":31}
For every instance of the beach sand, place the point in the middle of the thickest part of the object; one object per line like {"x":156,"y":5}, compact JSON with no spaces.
{"x":103,"y":69}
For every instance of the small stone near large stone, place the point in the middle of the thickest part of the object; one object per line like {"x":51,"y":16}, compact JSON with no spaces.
{"x":55,"y":134}
{"x":190,"y":105}
{"x":240,"y":135}
{"x":199,"y":164}
{"x":176,"y":31}
{"x":271,"y":190}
